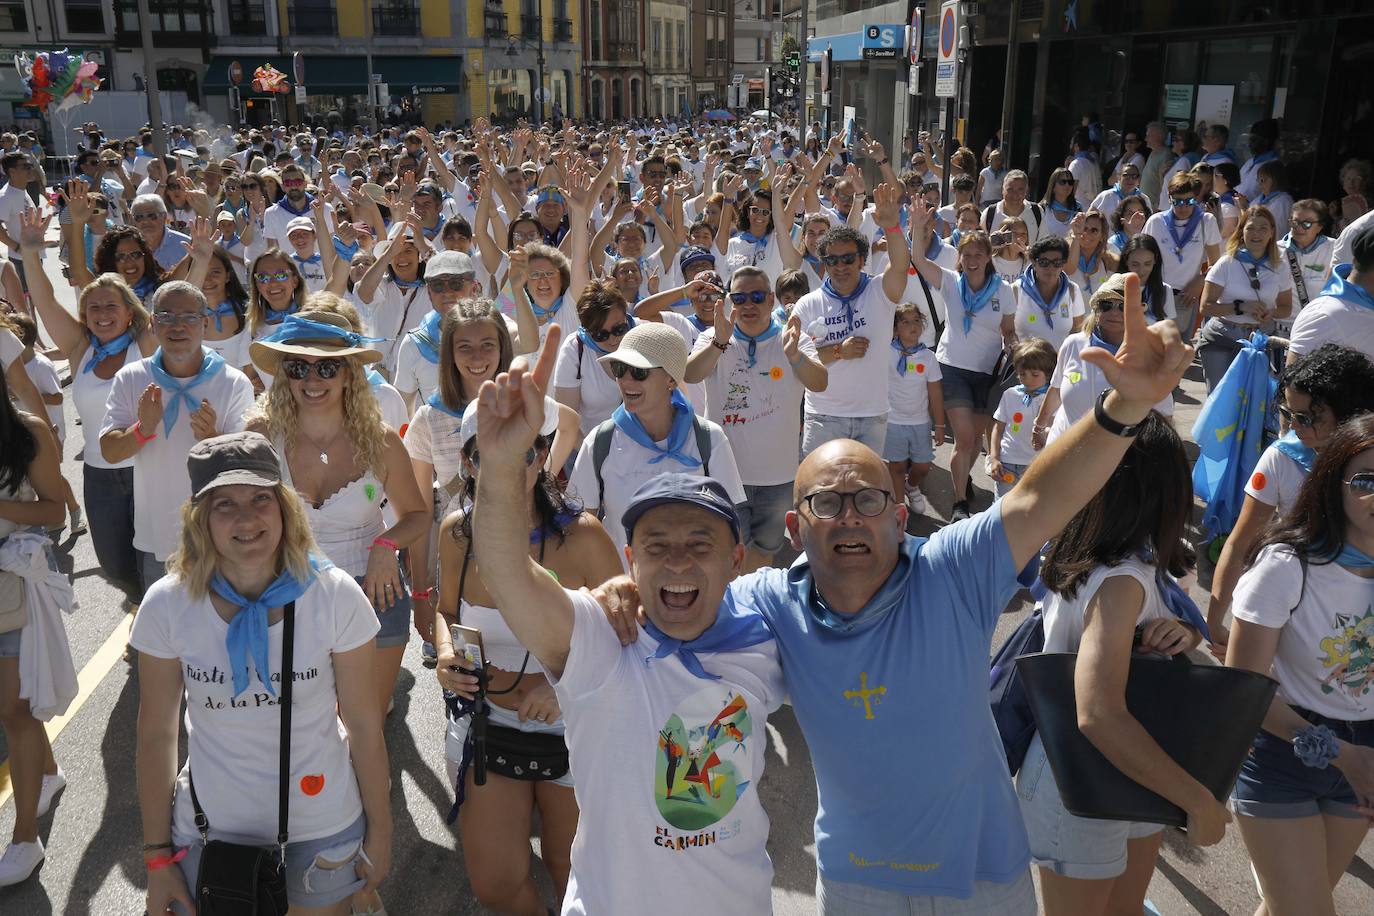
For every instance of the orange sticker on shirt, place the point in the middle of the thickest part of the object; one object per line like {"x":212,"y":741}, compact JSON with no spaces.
{"x":775,"y":373}
{"x":1258,"y":481}
{"x":313,"y":784}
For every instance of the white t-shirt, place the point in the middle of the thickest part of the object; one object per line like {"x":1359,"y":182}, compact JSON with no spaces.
{"x":627,"y":468}
{"x":1276,"y":480}
{"x":392,"y":312}
{"x":766,"y":257}
{"x":664,"y":793}
{"x":1234,"y":279}
{"x":1079,"y":383}
{"x":992,"y":186}
{"x":1031,"y":321}
{"x":1322,"y":663}
{"x":1179,"y":273}
{"x":948,"y":258}
{"x":234,"y":349}
{"x":1008,"y":268}
{"x":90,"y":395}
{"x":600,"y":393}
{"x":1018,"y":419}
{"x":14,"y":202}
{"x":1280,"y":206}
{"x":432,"y":437}
{"x":1027,"y":215}
{"x":1094,"y":276}
{"x":1056,"y":224}
{"x":1109,"y":201}
{"x":392,"y":406}
{"x":276,"y":218}
{"x":759,"y":408}
{"x":1344,"y":251}
{"x":1314,"y":269}
{"x":161,"y":483}
{"x":1089,"y":175}
{"x":909,"y":393}
{"x":1064,"y":617}
{"x":43,"y":374}
{"x":312,"y":271}
{"x":977,"y":350}
{"x":1327,"y":319}
{"x":414,"y":372}
{"x":857,"y":387}
{"x":234,"y":740}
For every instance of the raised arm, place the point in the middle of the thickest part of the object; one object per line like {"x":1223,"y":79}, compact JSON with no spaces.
{"x":888,"y":203}
{"x":67,"y":332}
{"x":920,"y":217}
{"x":367,"y":287}
{"x":729,"y":212}
{"x":202,"y":248}
{"x":78,"y":198}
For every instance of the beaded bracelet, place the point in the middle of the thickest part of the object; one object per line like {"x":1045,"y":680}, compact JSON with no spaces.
{"x":1316,"y":746}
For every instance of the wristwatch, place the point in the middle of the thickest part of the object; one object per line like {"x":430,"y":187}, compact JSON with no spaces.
{"x":1115,"y":427}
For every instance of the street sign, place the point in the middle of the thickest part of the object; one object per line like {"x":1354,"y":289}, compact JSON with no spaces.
{"x":376,"y":77}
{"x":947,"y":50}
{"x":300,"y":94}
{"x":882,"y":42}
{"x":916,"y":36}
{"x":235,"y":73}
{"x":913,"y":80}
{"x":298,"y":66}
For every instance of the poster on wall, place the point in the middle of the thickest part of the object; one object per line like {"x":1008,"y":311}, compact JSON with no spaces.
{"x":1178,"y":101}
{"x":1214,"y":104}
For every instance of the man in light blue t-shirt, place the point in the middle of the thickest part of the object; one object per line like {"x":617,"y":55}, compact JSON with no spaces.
{"x":885,"y":638}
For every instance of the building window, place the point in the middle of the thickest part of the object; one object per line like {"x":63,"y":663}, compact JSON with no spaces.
{"x":13,"y":18}
{"x":166,"y":16}
{"x":658,"y":46}
{"x":395,"y":17}
{"x":85,"y":16}
{"x":594,"y":29}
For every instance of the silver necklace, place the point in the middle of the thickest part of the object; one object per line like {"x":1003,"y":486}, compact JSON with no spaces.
{"x":323,"y":453}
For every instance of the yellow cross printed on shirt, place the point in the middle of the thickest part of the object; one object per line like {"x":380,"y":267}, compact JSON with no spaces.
{"x":866,"y":694}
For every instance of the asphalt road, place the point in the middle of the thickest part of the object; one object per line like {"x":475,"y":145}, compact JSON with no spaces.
{"x":93,"y":835}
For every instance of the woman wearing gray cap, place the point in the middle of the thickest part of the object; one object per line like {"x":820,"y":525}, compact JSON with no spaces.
{"x":246,"y":581}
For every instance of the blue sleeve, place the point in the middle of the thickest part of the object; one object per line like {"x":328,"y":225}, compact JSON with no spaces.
{"x":973,"y":562}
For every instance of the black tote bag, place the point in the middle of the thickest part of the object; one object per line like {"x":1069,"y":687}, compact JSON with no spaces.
{"x":1203,"y":716}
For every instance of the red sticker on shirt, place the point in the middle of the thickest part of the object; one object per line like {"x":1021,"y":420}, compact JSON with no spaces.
{"x":1258,"y":482}
{"x":1016,"y":417}
{"x":920,"y":367}
{"x":312,"y":784}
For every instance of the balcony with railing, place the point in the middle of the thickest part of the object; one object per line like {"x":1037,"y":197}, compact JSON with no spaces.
{"x":174,"y":23}
{"x":247,"y":17}
{"x":562,"y":30}
{"x":395,"y":19}
{"x":312,"y":19}
{"x":529,"y":26}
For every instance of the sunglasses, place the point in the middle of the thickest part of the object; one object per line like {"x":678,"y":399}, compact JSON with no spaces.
{"x":128,"y":257}
{"x":280,"y":276}
{"x":868,"y":502}
{"x":293,"y":182}
{"x":250,"y":186}
{"x":1110,"y":305}
{"x":448,"y":284}
{"x":299,"y":369}
{"x":760,"y":211}
{"x":1066,"y":181}
{"x":1048,"y":263}
{"x":1294,"y":418}
{"x":1183,"y":201}
{"x":619,"y":369}
{"x":619,"y":330}
{"x":757,"y":296}
{"x":186,"y":319}
{"x":1362,"y":484}
{"x":1303,"y":223}
{"x":830,"y":260}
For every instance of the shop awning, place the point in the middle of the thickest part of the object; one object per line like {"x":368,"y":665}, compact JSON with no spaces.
{"x":323,"y":75}
{"x":419,"y":75}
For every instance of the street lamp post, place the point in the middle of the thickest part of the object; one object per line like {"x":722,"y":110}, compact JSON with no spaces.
{"x":539,"y":90}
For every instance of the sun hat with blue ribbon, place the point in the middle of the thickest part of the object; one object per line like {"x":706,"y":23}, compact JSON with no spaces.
{"x":312,"y":333}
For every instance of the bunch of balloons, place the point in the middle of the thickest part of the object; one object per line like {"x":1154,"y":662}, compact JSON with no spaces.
{"x":268,"y":78}
{"x":57,"y":76}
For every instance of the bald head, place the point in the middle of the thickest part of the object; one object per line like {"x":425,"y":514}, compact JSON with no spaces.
{"x":840,"y":458}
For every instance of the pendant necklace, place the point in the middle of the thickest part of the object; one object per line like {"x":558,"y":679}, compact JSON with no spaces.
{"x":323,"y":452}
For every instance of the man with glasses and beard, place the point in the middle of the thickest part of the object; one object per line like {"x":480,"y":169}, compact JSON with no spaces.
{"x":149,"y":214}
{"x":295,"y":203}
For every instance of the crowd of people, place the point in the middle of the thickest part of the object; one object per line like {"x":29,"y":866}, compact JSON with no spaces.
{"x":563,"y":404}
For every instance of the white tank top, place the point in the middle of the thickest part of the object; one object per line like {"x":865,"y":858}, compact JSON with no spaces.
{"x":348,"y":521}
{"x":90,"y":393}
{"x":502,"y":648}
{"x":23,"y":494}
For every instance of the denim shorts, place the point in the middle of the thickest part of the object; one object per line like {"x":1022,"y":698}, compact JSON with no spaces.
{"x":1273,"y":782}
{"x":308,"y":884}
{"x":762,"y":518}
{"x":965,"y":388}
{"x":1066,"y":844}
{"x":839,"y":898}
{"x":395,"y":620}
{"x":1017,"y":471}
{"x":10,"y":642}
{"x":820,"y":428}
{"x":909,"y":443}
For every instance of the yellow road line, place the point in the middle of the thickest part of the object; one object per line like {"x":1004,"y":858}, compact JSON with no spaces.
{"x":87,"y":681}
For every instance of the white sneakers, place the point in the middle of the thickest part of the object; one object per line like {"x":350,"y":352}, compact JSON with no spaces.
{"x":52,"y":785}
{"x":915,"y":500}
{"x":19,"y":861}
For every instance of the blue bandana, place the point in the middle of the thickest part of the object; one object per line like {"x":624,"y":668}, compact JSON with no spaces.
{"x":1177,"y":600}
{"x":678,"y":436}
{"x":1066,"y":209}
{"x":1118,"y":240}
{"x":1181,"y":242}
{"x":772,"y":331}
{"x":277,"y":316}
{"x":313,"y":259}
{"x":1244,"y":256}
{"x":438,"y":404}
{"x":1288,"y":243}
{"x":697,"y":322}
{"x":285,"y":204}
{"x":1096,"y":341}
{"x":904,"y":353}
{"x":408,"y":284}
{"x":1028,"y":395}
{"x":933,"y":249}
{"x":247,"y":638}
{"x":176,"y":391}
{"x":426,"y":337}
{"x":101,"y":350}
{"x":345,"y":251}
{"x":145,"y":287}
{"x":975,"y":302}
{"x":846,"y":302}
{"x":1029,"y":287}
{"x":220,"y":311}
{"x":1122,"y":195}
{"x":294,"y":328}
{"x":1352,"y":557}
{"x":1340,"y":287}
{"x":374,"y":378}
{"x":543,"y":315}
{"x":1293,"y":447}
{"x":735,"y":628}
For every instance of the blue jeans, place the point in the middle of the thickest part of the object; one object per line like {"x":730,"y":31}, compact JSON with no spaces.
{"x":108,"y":495}
{"x":837,"y":898}
{"x":819,"y":428}
{"x":150,"y":569}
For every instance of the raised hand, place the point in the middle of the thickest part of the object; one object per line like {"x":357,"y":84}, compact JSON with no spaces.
{"x":203,"y":421}
{"x":150,"y":409}
{"x":1151,"y":359}
{"x":887,"y":203}
{"x":78,"y":197}
{"x":872,"y":148}
{"x":724,"y":322}
{"x":33,"y":228}
{"x":1076,"y":224}
{"x":203,"y":238}
{"x":791,"y":338}
{"x":518,"y":273}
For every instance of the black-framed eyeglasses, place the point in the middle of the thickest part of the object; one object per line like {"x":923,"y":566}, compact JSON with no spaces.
{"x":830,"y":260}
{"x":755,"y":296}
{"x":1110,"y":305}
{"x":826,"y":504}
{"x":1361,"y":484}
{"x":602,"y":335}
{"x":1296,"y":418}
{"x":618,"y":369}
{"x":1050,"y":263}
{"x":299,"y":369}
{"x":448,"y":284}
{"x":1303,"y":224}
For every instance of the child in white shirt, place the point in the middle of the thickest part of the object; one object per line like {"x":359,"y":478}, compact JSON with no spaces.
{"x":1010,"y":450}
{"x":915,"y":398}
{"x":43,"y":374}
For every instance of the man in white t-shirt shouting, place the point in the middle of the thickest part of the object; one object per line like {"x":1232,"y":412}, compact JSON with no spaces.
{"x":850,"y":319}
{"x":666,"y":736}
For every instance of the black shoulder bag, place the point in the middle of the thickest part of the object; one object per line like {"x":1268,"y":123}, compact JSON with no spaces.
{"x":240,"y":880}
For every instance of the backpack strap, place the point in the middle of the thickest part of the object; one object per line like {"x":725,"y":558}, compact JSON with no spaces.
{"x":601,"y":449}
{"x":930,"y":306}
{"x":703,"y":437}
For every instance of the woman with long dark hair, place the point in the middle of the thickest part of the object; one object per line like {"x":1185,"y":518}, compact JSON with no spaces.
{"x":1059,"y":203}
{"x":31,"y":497}
{"x":1141,"y":257}
{"x":1305,"y":795}
{"x":1112,"y":570}
{"x":212,"y":271}
{"x":122,"y":251}
{"x":522,"y":710}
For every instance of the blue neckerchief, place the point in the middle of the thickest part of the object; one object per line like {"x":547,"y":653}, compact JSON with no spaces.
{"x":1030,"y":394}
{"x":231,"y":242}
{"x":1221,"y":155}
{"x":1057,"y":207}
{"x":438,"y":404}
{"x":759,"y":242}
{"x":1294,"y":448}
{"x":1257,"y":161}
{"x":1340,"y":287}
{"x":1265,"y":198}
{"x":772,"y":331}
{"x":1228,"y":198}
{"x":814,"y":261}
{"x":1176,"y":598}
{"x":1192,"y":157}
{"x":846,"y":302}
{"x":561,"y":520}
{"x":145,"y":287}
{"x":345,"y":251}
{"x":1029,"y":287}
{"x":277,"y":316}
{"x":697,"y":322}
{"x":954,"y":238}
{"x":1085,"y":154}
{"x":903,"y":353}
{"x":933,"y":249}
{"x":294,"y":328}
{"x":1088,"y":266}
{"x":408,"y":284}
{"x":101,"y":350}
{"x":543,"y":315}
{"x":176,"y":391}
{"x":1096,"y":341}
{"x":735,"y":628}
{"x":678,"y":436}
{"x":374,"y":378}
{"x":247,"y":637}
{"x":225,"y":307}
{"x":1287,"y":242}
{"x":285,"y":204}
{"x":431,"y":233}
{"x":1352,"y":557}
{"x":426,"y":337}
{"x":1182,"y":242}
{"x":974,"y":302}
{"x":585,"y":336}
{"x":1244,"y":256}
{"x":1122,"y":195}
{"x":1119,"y":240}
